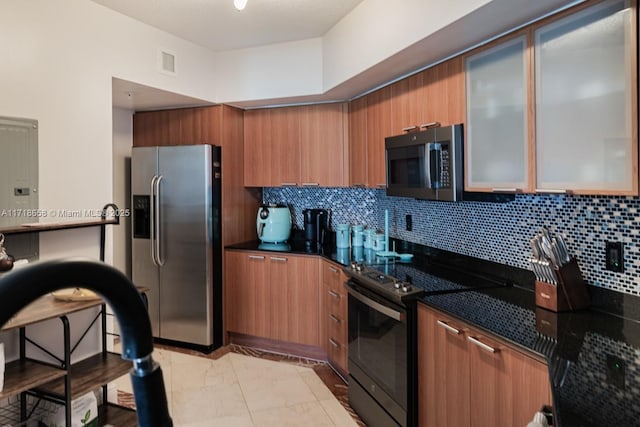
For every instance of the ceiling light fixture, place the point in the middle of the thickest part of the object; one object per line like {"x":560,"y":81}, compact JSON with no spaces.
{"x":240,"y":4}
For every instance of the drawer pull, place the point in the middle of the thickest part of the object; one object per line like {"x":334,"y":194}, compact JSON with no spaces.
{"x":334,"y":343}
{"x":335,"y":319}
{"x":357,"y":185}
{"x":333,"y":270}
{"x":506,"y":190}
{"x":279,"y":259}
{"x":256,"y":256}
{"x":482,"y":345}
{"x":311,"y":184}
{"x":448,"y":327}
{"x":410,"y":128}
{"x":381,"y":185}
{"x":334,"y":294}
{"x":288,"y":184}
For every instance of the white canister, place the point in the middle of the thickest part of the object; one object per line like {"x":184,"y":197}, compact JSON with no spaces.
{"x":1,"y":366}
{"x":357,"y":235}
{"x":368,"y":234}
{"x":342,"y":236}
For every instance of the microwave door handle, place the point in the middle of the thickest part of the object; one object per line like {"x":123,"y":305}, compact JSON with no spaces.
{"x":433,"y":173}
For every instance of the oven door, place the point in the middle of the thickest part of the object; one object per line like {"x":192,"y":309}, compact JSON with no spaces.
{"x":377,"y":355}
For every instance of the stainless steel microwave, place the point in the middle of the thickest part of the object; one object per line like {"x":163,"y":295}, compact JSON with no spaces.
{"x":426,"y":164}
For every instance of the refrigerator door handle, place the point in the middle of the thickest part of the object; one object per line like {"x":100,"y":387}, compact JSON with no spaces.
{"x":157,"y":221}
{"x":152,"y":218}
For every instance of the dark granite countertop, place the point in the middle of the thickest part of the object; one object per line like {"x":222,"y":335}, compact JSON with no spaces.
{"x":593,"y":356}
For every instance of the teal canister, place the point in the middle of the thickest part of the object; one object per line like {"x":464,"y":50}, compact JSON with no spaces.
{"x":368,"y":236}
{"x":342,"y":235}
{"x":357,"y":236}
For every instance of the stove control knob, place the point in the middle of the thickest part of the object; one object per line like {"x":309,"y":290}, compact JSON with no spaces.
{"x":359,"y":267}
{"x":354,"y":265}
{"x":406,"y":287}
{"x":397,"y":284}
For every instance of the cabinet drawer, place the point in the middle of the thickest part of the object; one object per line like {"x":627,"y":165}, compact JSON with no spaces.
{"x":337,"y":327}
{"x":337,"y":352}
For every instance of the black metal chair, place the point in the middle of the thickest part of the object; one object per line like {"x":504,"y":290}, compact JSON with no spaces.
{"x":21,"y":287}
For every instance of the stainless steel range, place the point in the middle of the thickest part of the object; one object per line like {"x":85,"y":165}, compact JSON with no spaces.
{"x":382,"y":336}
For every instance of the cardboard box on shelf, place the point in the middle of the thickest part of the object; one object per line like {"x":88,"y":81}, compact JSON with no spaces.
{"x":84,"y":413}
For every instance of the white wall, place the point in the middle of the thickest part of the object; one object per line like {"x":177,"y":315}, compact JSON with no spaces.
{"x":58,"y":59}
{"x":267,"y":72}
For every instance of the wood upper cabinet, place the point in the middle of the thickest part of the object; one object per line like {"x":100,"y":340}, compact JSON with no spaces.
{"x":258,"y":148}
{"x":467,"y":378}
{"x":379,"y":126}
{"x":323,"y":149}
{"x":297,"y":146}
{"x":408,"y":109}
{"x":272,"y":296}
{"x":152,"y":128}
{"x":285,"y":143}
{"x":444,"y":92}
{"x":358,"y":142}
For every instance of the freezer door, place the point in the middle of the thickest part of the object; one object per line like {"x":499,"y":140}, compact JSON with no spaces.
{"x":185,"y":251}
{"x":144,"y":167}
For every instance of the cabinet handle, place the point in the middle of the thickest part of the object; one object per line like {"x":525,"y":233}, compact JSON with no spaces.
{"x":409,"y":128}
{"x":506,"y":190}
{"x":358,"y":185}
{"x":256,"y":256}
{"x":277,"y":258}
{"x":334,"y":318}
{"x":381,"y":185}
{"x":552,"y":191}
{"x":482,"y":345}
{"x":333,"y":343}
{"x":310,"y":184}
{"x":448,"y":327}
{"x":334,"y":294}
{"x":333,"y":270}
{"x":430,"y":125}
{"x":288,"y":184}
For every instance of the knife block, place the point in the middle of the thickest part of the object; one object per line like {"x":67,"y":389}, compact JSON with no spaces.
{"x":569,"y":295}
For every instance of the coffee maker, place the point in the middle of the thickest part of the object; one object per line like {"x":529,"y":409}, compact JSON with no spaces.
{"x":316,"y":227}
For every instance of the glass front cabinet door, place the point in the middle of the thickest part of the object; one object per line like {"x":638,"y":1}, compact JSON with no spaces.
{"x":586,"y":101}
{"x":496,"y":126}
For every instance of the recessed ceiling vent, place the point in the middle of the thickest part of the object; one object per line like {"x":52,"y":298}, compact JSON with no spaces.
{"x":167,"y":62}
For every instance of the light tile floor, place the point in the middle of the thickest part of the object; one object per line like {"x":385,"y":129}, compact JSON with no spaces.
{"x":239,"y":390}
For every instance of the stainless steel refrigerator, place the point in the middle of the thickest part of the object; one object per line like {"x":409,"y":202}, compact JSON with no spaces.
{"x":176,"y":247}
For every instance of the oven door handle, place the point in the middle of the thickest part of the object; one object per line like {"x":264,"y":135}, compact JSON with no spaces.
{"x":387,"y":311}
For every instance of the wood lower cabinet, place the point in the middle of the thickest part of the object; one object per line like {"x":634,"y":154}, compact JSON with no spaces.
{"x":333,"y":315}
{"x":272,"y":296}
{"x":467,"y":378}
{"x":443,"y":371}
{"x":294,"y":293}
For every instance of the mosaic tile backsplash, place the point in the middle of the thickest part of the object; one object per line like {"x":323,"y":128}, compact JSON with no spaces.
{"x":493,"y":231}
